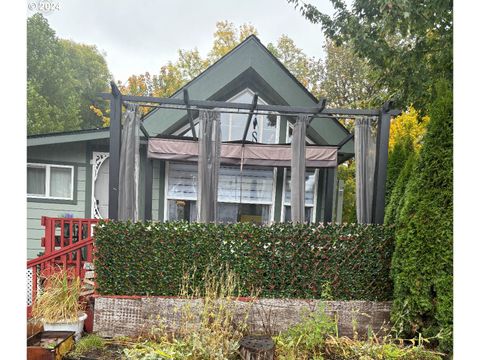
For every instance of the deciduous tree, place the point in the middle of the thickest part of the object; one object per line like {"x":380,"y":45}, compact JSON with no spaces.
{"x":409,"y":44}
{"x":63,"y":79}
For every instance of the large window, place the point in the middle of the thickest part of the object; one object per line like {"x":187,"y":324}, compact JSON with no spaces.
{"x":47,"y":181}
{"x":311,"y":179}
{"x":233,"y":125}
{"x":245,"y":195}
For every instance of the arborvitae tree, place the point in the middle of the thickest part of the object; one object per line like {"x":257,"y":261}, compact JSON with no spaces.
{"x":396,"y":161}
{"x":397,"y":193}
{"x":422,"y":265}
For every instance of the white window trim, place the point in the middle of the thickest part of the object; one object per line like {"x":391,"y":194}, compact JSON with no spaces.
{"x":271,"y":204}
{"x":47,"y":181}
{"x":290,"y":126}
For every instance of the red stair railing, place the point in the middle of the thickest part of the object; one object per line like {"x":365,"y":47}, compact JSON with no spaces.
{"x":68,"y":244}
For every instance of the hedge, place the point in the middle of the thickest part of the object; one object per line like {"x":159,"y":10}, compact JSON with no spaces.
{"x":346,"y":262}
{"x":422,"y":265}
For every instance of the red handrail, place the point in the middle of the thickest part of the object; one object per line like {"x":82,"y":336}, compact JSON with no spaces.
{"x":63,"y":248}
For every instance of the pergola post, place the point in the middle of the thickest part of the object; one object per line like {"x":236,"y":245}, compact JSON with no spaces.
{"x":148,"y":188}
{"x":115,"y":145}
{"x":380,"y":175}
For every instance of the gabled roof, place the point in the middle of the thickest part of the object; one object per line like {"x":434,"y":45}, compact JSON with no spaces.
{"x":252,"y":65}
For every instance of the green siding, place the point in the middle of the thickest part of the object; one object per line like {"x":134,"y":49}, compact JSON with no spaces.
{"x":71,"y":154}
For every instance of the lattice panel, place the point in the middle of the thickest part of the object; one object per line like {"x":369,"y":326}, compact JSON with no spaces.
{"x":30,"y":286}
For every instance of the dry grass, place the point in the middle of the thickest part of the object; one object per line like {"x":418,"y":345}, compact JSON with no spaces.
{"x":59,"y":299}
{"x":210,"y":330}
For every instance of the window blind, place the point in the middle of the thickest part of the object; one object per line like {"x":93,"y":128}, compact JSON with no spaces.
{"x":253,"y":186}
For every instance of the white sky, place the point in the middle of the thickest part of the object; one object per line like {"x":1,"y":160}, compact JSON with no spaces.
{"x":139,"y":36}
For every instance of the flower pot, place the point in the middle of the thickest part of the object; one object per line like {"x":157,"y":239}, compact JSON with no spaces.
{"x":70,"y":326}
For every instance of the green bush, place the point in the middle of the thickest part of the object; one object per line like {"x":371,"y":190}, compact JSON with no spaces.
{"x":422,"y":266}
{"x":281,"y":260}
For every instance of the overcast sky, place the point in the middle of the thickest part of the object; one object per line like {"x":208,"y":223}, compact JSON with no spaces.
{"x":142,"y":35}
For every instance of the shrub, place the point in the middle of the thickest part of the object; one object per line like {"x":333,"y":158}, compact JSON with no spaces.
{"x":422,"y":266}
{"x":305,"y":340}
{"x":282,"y":260}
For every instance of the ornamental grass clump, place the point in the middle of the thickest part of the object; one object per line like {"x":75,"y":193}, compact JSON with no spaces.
{"x":58,"y":300}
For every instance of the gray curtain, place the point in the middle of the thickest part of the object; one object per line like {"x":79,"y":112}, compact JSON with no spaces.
{"x":129,"y":165}
{"x":209,"y":146}
{"x":298,"y":169}
{"x":365,"y":151}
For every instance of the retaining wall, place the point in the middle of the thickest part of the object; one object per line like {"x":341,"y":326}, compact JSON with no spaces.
{"x":131,"y":316}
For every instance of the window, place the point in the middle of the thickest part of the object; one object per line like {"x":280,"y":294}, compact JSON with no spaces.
{"x":310,"y":195}
{"x":290,"y":134}
{"x":233,"y":125}
{"x":242,"y":196}
{"x":46,"y":181}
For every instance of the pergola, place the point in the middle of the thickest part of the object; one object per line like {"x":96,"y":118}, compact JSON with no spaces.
{"x":296,"y":155}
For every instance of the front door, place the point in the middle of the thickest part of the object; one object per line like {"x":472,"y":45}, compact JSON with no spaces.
{"x":100,"y":161}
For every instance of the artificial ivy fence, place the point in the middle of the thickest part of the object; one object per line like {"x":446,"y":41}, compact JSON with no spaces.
{"x":333,"y":262}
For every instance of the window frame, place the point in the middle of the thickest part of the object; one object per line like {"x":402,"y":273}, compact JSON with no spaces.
{"x":270,"y":204}
{"x":47,"y":168}
{"x":315,"y":197}
{"x":186,"y":128}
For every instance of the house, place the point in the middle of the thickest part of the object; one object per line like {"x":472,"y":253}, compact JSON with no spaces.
{"x":67,"y":173}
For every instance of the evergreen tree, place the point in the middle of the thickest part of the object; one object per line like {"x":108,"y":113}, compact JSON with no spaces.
{"x":422,"y":265}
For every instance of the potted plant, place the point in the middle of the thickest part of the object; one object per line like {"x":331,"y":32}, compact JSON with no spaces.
{"x":58,"y":305}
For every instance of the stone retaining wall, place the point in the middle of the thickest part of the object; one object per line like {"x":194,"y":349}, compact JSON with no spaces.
{"x":131,"y":316}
